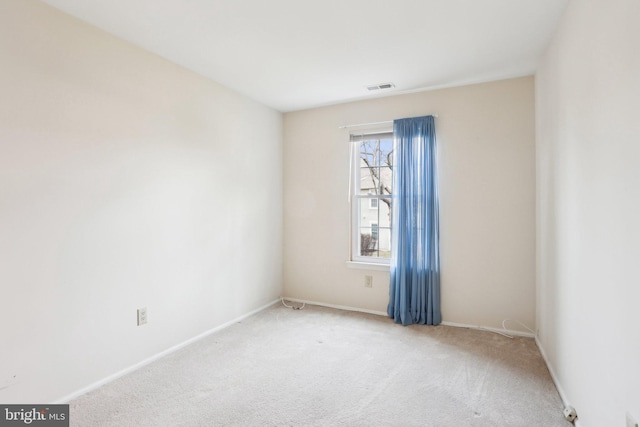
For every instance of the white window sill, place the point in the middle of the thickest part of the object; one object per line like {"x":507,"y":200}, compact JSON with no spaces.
{"x":367,"y":266}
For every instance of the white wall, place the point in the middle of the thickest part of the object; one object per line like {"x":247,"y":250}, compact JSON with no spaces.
{"x":487,"y":186}
{"x":125,"y":181}
{"x":588,"y":168}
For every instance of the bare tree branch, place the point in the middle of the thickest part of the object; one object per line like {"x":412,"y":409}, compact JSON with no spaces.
{"x":368,"y":158}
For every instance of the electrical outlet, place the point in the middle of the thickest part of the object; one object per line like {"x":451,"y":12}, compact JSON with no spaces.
{"x":630,"y":421}
{"x":142,"y":316}
{"x":570,"y":413}
{"x":368,"y":281}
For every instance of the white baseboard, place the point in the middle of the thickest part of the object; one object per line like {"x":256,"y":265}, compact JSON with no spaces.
{"x":339,"y":307}
{"x":489,"y":329}
{"x":554,"y":377}
{"x":383,"y":313}
{"x":163,"y":353}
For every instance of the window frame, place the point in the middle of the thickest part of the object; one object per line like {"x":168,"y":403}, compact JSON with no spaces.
{"x":356,"y":223}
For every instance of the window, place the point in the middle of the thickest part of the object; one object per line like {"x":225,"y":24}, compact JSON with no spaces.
{"x":371,"y":201}
{"x":374,"y":229}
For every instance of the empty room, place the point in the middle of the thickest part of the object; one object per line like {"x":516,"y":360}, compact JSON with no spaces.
{"x":306,"y":213}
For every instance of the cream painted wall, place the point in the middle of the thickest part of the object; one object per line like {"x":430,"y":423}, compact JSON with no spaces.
{"x":487,"y":186}
{"x":588,"y":209}
{"x":125,"y":182}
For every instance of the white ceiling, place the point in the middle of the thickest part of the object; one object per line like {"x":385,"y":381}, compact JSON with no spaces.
{"x":297,"y":54}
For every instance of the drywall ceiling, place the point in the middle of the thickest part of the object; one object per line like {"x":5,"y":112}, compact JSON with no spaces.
{"x":297,"y":54}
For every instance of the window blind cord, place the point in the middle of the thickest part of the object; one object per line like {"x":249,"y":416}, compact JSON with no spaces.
{"x":292,"y":306}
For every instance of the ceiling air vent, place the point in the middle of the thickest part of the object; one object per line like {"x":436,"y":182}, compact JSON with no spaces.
{"x":381,"y":86}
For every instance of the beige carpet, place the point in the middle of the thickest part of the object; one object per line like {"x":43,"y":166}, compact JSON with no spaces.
{"x":325,"y":367}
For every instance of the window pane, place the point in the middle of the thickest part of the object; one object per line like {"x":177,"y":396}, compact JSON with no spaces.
{"x":384,"y":209}
{"x":367,"y":214}
{"x":368,"y":180}
{"x":384,"y":242}
{"x":386,"y":152}
{"x":386,"y":165}
{"x":386,"y":180}
{"x":366,"y":211}
{"x":368,"y":243}
{"x":368,"y":153}
{"x":374,"y":230}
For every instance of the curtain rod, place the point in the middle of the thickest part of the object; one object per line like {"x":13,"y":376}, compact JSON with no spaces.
{"x":373,"y":123}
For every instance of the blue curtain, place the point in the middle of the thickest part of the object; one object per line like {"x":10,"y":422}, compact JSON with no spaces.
{"x":414,"y":291}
